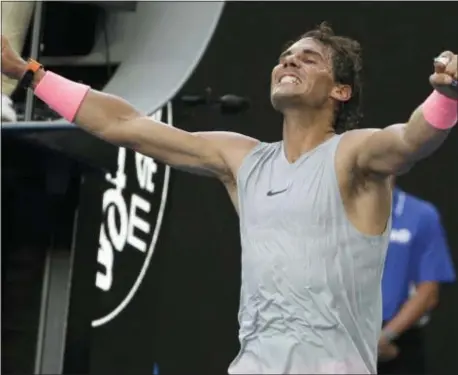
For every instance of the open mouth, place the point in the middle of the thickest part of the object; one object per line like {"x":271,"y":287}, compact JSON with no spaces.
{"x":287,"y":78}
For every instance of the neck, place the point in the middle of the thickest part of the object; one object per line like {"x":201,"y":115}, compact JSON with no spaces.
{"x":304,"y":130}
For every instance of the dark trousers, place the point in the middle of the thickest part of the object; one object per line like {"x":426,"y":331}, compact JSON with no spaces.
{"x":411,"y":358}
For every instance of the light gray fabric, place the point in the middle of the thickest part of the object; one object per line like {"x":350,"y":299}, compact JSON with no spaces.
{"x":311,"y":282}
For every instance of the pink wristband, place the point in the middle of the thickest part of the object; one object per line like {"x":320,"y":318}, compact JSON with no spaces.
{"x":440,"y":112}
{"x":61,"y":94}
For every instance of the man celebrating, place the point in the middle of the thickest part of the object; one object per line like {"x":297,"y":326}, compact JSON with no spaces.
{"x":314,"y":208}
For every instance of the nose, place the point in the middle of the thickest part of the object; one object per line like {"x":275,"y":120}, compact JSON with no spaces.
{"x":291,"y":61}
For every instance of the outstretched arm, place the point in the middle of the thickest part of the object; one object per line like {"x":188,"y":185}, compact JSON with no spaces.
{"x":116,"y":121}
{"x":396,"y":148}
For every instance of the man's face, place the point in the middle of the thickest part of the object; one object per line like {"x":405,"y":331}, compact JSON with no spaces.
{"x":303,"y":76}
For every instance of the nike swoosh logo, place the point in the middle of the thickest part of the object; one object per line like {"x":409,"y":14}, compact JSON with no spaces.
{"x":271,"y":193}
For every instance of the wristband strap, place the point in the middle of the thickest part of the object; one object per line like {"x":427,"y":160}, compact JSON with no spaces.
{"x":440,"y":111}
{"x":61,"y":95}
{"x":27,"y":79}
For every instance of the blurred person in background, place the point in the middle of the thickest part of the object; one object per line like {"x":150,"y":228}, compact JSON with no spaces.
{"x":418,"y":259}
{"x":16,"y":16}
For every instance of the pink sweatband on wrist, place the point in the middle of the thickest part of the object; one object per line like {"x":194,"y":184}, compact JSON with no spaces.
{"x":61,"y":95}
{"x":439,"y":111}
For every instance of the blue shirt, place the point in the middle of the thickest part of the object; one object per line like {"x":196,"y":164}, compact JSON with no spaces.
{"x":418,"y":251}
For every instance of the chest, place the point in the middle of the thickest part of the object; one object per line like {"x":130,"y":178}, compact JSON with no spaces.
{"x":298,"y":196}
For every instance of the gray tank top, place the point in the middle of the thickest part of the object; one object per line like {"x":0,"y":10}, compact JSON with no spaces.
{"x":311,"y":282}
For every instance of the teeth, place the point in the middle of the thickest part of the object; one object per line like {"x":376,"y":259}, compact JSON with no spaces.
{"x":289,"y":79}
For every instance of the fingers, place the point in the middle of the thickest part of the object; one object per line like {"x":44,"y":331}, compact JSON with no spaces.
{"x":444,"y":58}
{"x":441,"y":79}
{"x":452,"y":67}
{"x":443,"y":63}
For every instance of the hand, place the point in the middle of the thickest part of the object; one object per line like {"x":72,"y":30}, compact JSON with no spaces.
{"x":445,"y":72}
{"x":13,"y":65}
{"x":387,"y":351}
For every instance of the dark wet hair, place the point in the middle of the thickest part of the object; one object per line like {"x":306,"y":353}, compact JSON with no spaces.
{"x":347,"y":68}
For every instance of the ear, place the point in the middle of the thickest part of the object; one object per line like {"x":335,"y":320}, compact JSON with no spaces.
{"x":341,"y":93}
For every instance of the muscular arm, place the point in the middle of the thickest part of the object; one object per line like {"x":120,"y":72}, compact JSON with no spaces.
{"x":116,"y":121}
{"x":395,"y":149}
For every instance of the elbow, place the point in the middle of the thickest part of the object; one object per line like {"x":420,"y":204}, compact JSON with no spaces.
{"x":119,"y":131}
{"x":407,"y":147}
{"x":115,"y":134}
{"x":428,"y":292}
{"x":421,"y":143}
{"x":402,"y":169}
{"x":405,"y":157}
{"x":433,"y":301}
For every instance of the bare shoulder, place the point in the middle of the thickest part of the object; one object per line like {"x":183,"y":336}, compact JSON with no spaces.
{"x":353,"y":138}
{"x":233,"y":147}
{"x":358,"y":136}
{"x":355,"y":142}
{"x":349,"y":147}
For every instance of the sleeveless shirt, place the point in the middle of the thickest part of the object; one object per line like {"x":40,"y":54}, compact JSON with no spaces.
{"x":310,"y":298}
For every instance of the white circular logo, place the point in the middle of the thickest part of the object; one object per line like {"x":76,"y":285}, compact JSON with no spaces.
{"x":133,"y":206}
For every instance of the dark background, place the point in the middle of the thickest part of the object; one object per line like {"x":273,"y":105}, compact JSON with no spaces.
{"x":184,"y":317}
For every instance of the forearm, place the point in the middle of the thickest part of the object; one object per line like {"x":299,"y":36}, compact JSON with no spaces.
{"x":113,"y":119}
{"x":412,"y":311}
{"x":99,"y":113}
{"x":395,"y":149}
{"x":423,"y":133}
{"x":421,"y":138}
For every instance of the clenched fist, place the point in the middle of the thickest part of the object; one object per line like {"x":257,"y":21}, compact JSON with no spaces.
{"x":445,"y":76}
{"x":13,"y":65}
